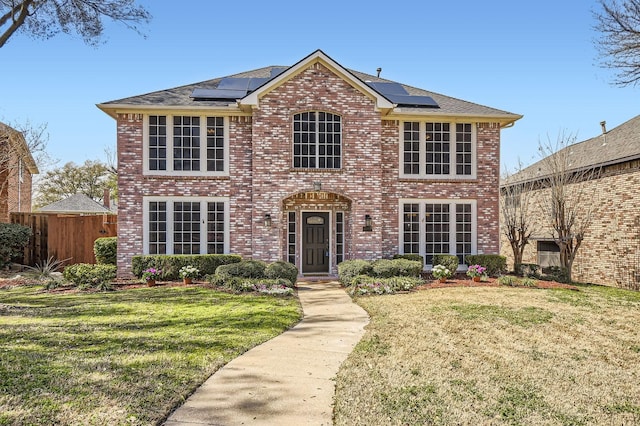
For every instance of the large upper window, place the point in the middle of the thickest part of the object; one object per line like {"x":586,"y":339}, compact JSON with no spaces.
{"x":431,"y":227}
{"x":186,"y":225}
{"x":437,"y":150}
{"x":317,"y":140}
{"x":186,"y":145}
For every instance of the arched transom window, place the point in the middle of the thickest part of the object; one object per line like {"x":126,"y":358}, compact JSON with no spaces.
{"x":317,"y":140}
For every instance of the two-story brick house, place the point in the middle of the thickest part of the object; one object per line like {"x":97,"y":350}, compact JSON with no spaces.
{"x":311,"y":163}
{"x":16,"y":169}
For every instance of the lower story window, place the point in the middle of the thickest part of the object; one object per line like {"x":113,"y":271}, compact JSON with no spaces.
{"x":186,"y":225}
{"x":431,"y":227}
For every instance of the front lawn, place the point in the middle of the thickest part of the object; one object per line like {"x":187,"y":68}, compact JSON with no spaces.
{"x":495,"y":355}
{"x":126,"y":357}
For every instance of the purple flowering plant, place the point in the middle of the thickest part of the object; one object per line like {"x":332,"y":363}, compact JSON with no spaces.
{"x":476,"y":271}
{"x":151,"y":274}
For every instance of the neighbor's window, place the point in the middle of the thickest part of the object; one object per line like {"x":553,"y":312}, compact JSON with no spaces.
{"x":431,"y":227}
{"x":186,"y":225}
{"x":187,"y":145}
{"x":317,"y":140}
{"x":437,"y":150}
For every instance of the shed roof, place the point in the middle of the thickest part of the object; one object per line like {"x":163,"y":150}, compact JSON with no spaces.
{"x":77,"y":203}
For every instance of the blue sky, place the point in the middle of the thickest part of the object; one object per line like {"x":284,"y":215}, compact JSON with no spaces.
{"x":531,"y":58}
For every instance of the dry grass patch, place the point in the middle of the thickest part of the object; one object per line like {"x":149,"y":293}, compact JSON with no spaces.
{"x":495,"y":356}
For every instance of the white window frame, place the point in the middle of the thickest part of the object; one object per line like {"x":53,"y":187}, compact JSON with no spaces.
{"x":317,"y":142}
{"x":203,"y":146}
{"x":452,"y":229}
{"x":452,"y":151}
{"x":203,"y":214}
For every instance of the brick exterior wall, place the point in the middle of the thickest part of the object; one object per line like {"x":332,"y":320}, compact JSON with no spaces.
{"x":15,"y":196}
{"x":611,"y":248}
{"x":262,"y":181}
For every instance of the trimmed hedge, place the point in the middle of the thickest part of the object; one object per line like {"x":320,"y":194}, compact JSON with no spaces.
{"x":349,"y":269}
{"x":528,"y":270}
{"x":106,"y":250}
{"x":281,"y":269}
{"x":385,"y":268}
{"x":13,"y":239}
{"x":242,"y":284}
{"x":410,"y":256}
{"x":449,"y":261}
{"x":364,"y":285}
{"x":243,"y":269}
{"x":85,"y":275}
{"x":171,"y":264}
{"x":496,"y":265}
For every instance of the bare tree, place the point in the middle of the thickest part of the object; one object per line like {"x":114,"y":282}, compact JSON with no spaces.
{"x":516,"y":208}
{"x":567,"y":202}
{"x":46,"y":18}
{"x":619,"y":42}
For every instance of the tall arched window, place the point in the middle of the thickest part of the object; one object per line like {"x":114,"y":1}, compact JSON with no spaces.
{"x":317,"y":140}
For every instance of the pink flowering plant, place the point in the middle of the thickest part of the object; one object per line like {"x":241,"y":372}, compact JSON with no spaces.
{"x":151,"y":274}
{"x":476,"y":271}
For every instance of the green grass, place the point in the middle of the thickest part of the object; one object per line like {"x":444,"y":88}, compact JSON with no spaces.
{"x":126,"y":357}
{"x":495,"y":356}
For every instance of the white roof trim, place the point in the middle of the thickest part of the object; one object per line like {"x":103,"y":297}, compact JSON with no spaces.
{"x":252,"y":99}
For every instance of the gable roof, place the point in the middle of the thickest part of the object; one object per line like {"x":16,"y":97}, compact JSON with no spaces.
{"x":76,"y":203}
{"x":181,"y":97}
{"x":16,"y":138}
{"x":618,"y":145}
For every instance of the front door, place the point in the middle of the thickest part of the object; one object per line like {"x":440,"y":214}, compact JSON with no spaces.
{"x":315,"y":243}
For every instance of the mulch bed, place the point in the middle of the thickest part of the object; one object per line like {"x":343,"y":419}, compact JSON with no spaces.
{"x":460,"y":281}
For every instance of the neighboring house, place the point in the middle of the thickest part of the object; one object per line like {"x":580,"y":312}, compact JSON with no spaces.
{"x":610,"y":251}
{"x":77,"y":204}
{"x":311,"y":164}
{"x":16,"y":169}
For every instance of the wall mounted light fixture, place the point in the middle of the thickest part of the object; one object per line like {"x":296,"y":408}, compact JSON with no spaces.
{"x":267,"y":220}
{"x":368,"y":223}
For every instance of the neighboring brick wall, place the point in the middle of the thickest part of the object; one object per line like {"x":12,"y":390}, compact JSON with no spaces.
{"x":612,"y":243}
{"x":15,"y":196}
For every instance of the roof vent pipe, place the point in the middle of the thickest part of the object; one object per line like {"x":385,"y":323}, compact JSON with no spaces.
{"x":379,"y":70}
{"x":603,"y":124}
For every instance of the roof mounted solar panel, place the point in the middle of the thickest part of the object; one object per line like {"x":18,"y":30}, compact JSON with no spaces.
{"x":233,"y":83}
{"x":255,"y":82}
{"x":221,"y":94}
{"x":417,"y":101}
{"x":386,"y":88}
{"x":277,"y":71}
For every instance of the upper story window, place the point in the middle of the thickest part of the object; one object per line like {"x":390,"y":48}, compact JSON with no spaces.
{"x":187,"y":145}
{"x":317,"y":140}
{"x":437,"y":150}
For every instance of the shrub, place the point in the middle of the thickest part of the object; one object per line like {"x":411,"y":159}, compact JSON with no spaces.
{"x":244,"y":269}
{"x":171,"y":264}
{"x":496,"y":265}
{"x":282,"y":269}
{"x":410,"y":256}
{"x":85,"y":275}
{"x":349,"y":269}
{"x":13,"y":239}
{"x":508,"y":280}
{"x":449,"y":261}
{"x":528,"y":270}
{"x":385,"y":268}
{"x":106,"y":250}
{"x":241,"y":284}
{"x":556,"y":273}
{"x":364,"y":284}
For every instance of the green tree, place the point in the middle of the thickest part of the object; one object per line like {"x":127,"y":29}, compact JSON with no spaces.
{"x":90,"y":179}
{"x":618,"y":23}
{"x":46,"y":18}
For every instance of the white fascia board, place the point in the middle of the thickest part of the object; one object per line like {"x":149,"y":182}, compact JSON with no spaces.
{"x":252,"y":99}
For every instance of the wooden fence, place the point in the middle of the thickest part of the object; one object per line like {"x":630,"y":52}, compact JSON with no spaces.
{"x":64,"y":236}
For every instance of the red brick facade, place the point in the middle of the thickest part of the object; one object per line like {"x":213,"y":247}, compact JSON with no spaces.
{"x":261,"y":180}
{"x":15,"y":174}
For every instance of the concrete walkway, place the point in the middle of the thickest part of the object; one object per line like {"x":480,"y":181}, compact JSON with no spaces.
{"x":289,"y":379}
